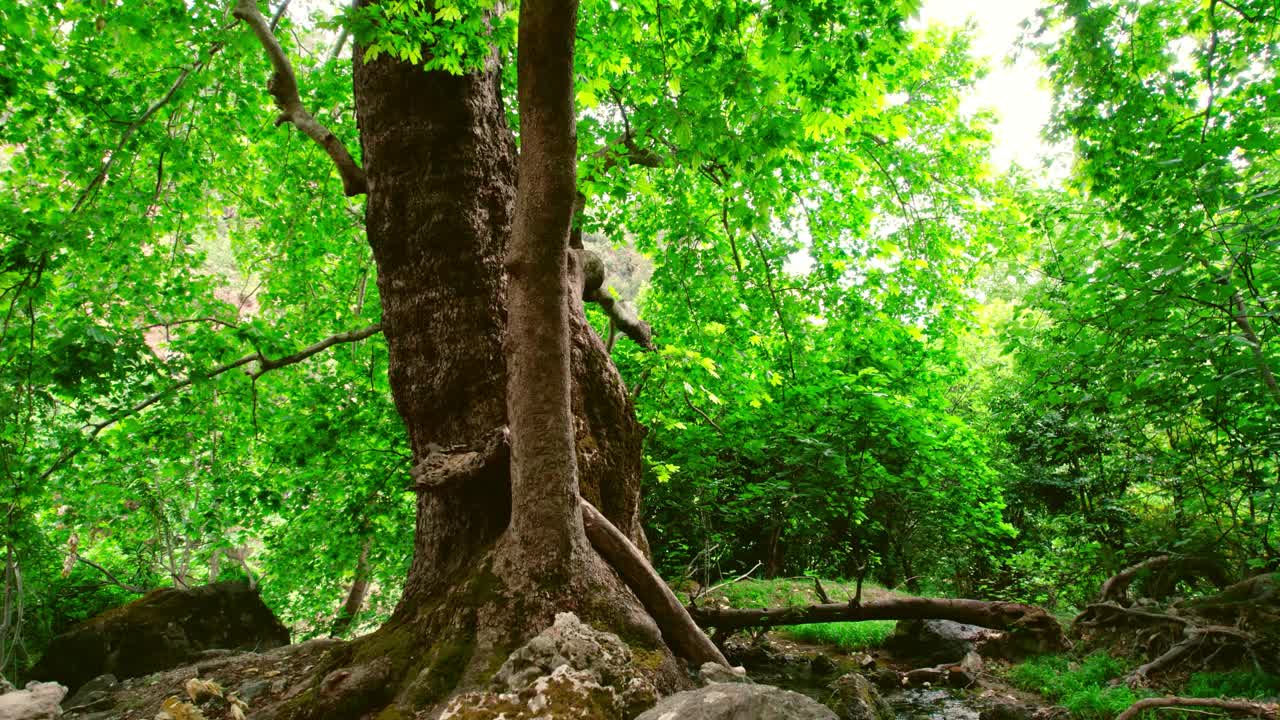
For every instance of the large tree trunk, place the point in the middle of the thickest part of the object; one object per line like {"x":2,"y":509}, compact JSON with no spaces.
{"x":546,"y":537}
{"x":441,"y":169}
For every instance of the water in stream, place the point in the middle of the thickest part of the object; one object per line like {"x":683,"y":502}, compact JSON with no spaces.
{"x":909,"y":703}
{"x":930,"y":704}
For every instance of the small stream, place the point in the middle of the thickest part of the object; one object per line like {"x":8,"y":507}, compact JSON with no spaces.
{"x":931,"y":704}
{"x":908,"y":703}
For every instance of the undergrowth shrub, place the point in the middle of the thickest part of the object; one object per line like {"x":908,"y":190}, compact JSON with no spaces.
{"x":1083,"y":687}
{"x":1233,"y":684}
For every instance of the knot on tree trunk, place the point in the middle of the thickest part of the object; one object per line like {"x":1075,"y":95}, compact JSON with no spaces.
{"x":444,"y":467}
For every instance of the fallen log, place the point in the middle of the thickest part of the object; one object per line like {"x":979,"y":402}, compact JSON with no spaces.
{"x":1241,"y":707}
{"x":1018,"y":619}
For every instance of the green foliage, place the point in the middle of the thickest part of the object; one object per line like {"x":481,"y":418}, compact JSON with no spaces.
{"x":455,"y":36}
{"x":1087,"y":688}
{"x":1233,"y":684}
{"x":808,"y":311}
{"x":1082,"y":687}
{"x":875,"y":356}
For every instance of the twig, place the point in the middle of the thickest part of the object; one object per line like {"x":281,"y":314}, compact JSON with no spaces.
{"x":738,"y":579}
{"x":112,"y":578}
{"x":267,"y":364}
{"x":699,"y":410}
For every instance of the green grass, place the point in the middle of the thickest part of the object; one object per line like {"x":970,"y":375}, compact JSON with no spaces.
{"x":786,"y":593}
{"x":1235,"y":684}
{"x":791,"y":592}
{"x":1083,"y":687}
{"x":847,"y":636}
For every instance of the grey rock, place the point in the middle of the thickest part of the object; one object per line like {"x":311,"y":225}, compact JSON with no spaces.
{"x":94,"y":694}
{"x":91,"y":692}
{"x":712,"y":672}
{"x":6,"y":686}
{"x":887,"y":679}
{"x":934,"y":642}
{"x":744,"y":651}
{"x":821,"y":664}
{"x":39,"y":701}
{"x":853,"y":697}
{"x":730,"y":701}
{"x":250,"y":689}
{"x":1006,"y":710}
{"x":866,"y":661}
{"x":565,"y":671}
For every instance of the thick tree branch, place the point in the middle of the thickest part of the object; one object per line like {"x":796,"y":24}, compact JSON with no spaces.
{"x":623,"y":317}
{"x":1241,"y":318}
{"x":356,"y":595}
{"x":1116,"y":586}
{"x":267,"y":364}
{"x":283,"y":86}
{"x":678,"y":628}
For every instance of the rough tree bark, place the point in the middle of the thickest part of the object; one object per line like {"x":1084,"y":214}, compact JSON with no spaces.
{"x":546,"y":533}
{"x":487,"y":573}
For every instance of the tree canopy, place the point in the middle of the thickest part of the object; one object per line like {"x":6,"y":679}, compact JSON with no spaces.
{"x":874,"y":355}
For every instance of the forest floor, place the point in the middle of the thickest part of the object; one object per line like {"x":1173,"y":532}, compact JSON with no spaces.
{"x":792,"y":659}
{"x":1086,"y":684}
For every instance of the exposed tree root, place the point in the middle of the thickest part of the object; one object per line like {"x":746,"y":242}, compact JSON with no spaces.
{"x":678,"y":629}
{"x":1239,"y":624}
{"x":1031,"y":622}
{"x":1196,"y":638}
{"x":1235,"y":707}
{"x":1165,"y":572}
{"x":455,"y":642}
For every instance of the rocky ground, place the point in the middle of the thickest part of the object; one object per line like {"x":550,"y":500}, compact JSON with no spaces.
{"x":926,"y":669}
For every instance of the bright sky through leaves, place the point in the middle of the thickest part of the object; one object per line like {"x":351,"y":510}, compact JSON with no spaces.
{"x":1013,"y":87}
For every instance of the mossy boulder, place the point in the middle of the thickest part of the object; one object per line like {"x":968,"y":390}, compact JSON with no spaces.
{"x":166,"y":628}
{"x":853,"y":697}
{"x":569,"y":670}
